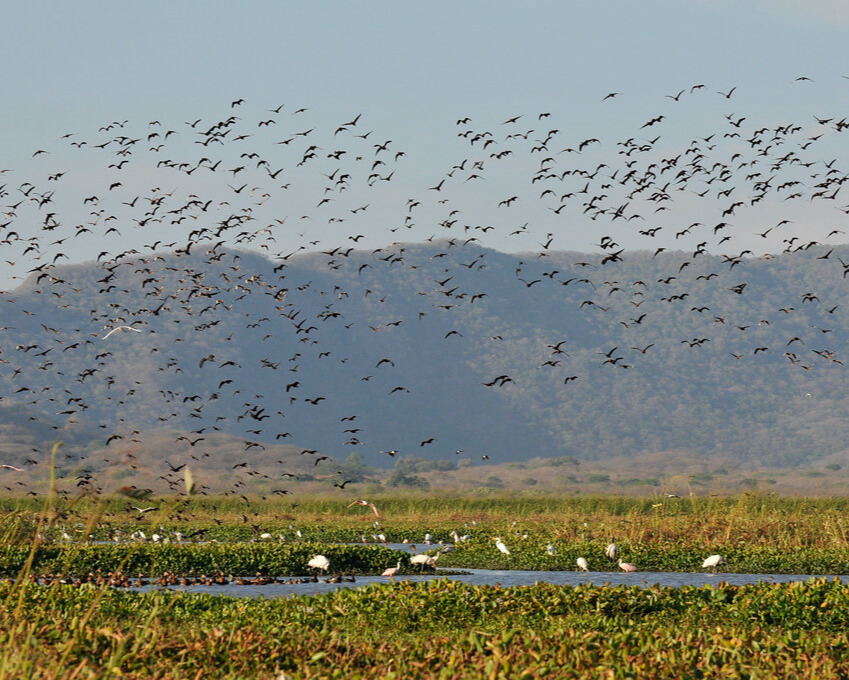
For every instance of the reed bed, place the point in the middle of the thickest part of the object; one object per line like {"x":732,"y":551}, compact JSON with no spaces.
{"x":745,"y":520}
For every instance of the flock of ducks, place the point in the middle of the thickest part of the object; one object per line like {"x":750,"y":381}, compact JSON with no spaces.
{"x":225,"y":183}
{"x":169,"y":579}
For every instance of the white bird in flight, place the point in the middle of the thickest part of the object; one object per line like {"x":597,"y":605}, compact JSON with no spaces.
{"x":120,"y":328}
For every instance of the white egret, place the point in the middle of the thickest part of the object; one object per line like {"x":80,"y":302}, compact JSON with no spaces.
{"x":500,"y":545}
{"x":550,"y":549}
{"x":712,"y":562}
{"x":583,"y":564}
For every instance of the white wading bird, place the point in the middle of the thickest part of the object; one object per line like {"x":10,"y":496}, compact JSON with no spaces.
{"x":712,"y":562}
{"x":500,"y":545}
{"x":423,"y":559}
{"x":319,"y":562}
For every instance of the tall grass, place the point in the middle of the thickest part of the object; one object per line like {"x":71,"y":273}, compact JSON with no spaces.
{"x":784,"y":523}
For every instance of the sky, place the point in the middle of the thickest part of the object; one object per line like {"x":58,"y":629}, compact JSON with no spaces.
{"x":411,"y":71}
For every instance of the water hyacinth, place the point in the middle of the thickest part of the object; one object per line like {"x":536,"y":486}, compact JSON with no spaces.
{"x":434,"y":629}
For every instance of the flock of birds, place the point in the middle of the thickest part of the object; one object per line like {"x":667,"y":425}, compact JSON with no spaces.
{"x":612,"y":554}
{"x":168,"y":579}
{"x":167,"y":211}
{"x":318,"y":564}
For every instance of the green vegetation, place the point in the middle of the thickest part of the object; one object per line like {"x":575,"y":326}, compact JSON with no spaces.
{"x":440,"y":629}
{"x":434,"y":629}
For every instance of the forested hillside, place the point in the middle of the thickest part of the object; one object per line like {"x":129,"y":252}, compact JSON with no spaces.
{"x":434,"y":349}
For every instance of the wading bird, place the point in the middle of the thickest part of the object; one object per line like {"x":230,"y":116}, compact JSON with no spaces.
{"x":583,"y":564}
{"x":423,"y":559}
{"x":319,"y":562}
{"x":391,"y":571}
{"x":712,"y":562}
{"x":626,"y":566}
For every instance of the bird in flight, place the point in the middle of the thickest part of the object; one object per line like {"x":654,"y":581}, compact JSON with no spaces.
{"x":120,"y":328}
{"x":366,"y":504}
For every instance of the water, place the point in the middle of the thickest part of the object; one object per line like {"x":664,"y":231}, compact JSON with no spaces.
{"x":510,"y":578}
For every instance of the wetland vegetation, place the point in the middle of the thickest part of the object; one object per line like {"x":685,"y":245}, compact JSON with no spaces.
{"x":437,"y":628}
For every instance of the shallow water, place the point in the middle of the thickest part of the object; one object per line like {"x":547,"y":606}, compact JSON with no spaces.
{"x":510,"y":578}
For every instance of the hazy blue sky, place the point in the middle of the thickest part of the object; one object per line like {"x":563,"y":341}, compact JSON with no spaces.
{"x":412,"y":70}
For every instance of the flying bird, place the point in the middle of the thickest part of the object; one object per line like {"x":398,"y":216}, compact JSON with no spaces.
{"x":120,"y":328}
{"x":366,"y":504}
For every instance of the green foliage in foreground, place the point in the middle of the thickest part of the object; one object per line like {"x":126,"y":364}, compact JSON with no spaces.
{"x":439,"y":629}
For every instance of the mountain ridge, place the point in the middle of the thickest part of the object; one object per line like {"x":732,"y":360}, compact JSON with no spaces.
{"x":509,"y":356}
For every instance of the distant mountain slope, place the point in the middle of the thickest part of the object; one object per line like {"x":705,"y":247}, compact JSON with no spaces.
{"x":436,"y":348}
